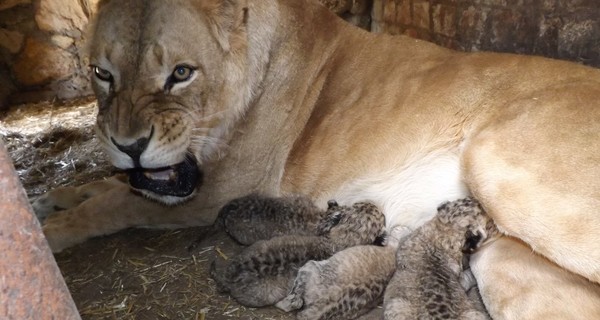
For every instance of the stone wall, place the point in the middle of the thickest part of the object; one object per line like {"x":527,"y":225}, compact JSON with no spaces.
{"x":564,"y":29}
{"x":40,"y":49}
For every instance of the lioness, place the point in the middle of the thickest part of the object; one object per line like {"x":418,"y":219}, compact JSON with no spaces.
{"x":204,"y":101}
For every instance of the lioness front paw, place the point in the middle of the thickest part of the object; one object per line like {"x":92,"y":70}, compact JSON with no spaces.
{"x":55,"y":200}
{"x":70,"y":197}
{"x":62,"y":232}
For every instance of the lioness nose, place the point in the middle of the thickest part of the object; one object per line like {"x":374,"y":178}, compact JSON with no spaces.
{"x":135,"y":149}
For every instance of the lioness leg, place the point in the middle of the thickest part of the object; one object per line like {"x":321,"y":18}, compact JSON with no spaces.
{"x":535,"y":169}
{"x":70,"y":197}
{"x":117,"y":209}
{"x":515,"y":283}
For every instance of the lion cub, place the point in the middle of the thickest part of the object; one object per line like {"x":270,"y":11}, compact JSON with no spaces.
{"x":255,"y":217}
{"x":347,"y":285}
{"x":264,"y":273}
{"x":430,"y":282}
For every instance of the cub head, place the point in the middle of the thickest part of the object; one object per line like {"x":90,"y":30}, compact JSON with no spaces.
{"x":467,"y":217}
{"x":171,"y":80}
{"x":360,"y":224}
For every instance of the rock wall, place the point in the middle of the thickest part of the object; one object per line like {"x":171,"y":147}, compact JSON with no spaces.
{"x":564,"y":29}
{"x":40,"y":49}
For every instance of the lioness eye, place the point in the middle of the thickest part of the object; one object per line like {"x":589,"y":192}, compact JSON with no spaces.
{"x":182,"y":73}
{"x":102,"y":74}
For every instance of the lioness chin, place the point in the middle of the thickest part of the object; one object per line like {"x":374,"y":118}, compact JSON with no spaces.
{"x":203,"y":101}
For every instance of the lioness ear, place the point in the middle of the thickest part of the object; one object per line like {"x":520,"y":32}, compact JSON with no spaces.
{"x":228,"y":19}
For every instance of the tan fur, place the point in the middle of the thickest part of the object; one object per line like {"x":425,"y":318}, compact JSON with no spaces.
{"x":290,"y":99}
{"x":515,"y":283}
{"x":69,"y":197}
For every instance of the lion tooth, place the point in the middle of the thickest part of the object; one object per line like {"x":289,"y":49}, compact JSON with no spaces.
{"x":168,"y":174}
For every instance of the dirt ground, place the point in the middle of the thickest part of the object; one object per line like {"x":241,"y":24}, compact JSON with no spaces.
{"x":136,"y":273}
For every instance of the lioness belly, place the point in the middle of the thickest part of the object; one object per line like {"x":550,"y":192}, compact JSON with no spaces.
{"x":408,"y":193}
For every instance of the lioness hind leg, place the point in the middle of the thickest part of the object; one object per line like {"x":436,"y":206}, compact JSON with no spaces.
{"x":534,"y":168}
{"x":516,"y":283}
{"x":70,"y":197}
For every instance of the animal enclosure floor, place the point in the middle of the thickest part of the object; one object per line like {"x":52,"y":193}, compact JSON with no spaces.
{"x":134,"y":274}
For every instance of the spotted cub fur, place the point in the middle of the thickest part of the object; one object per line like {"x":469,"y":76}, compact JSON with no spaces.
{"x":429,"y":282}
{"x":264,"y":273}
{"x":255,"y":217}
{"x":347,"y":285}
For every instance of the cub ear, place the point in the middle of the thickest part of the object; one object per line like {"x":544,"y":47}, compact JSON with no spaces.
{"x":228,"y":20}
{"x":330,"y":221}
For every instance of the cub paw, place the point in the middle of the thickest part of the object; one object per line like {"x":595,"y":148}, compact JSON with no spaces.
{"x":290,"y":303}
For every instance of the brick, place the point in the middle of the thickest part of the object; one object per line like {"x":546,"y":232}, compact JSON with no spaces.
{"x":546,"y":42}
{"x":392,"y":29}
{"x":337,"y":6}
{"x":512,"y":31}
{"x":360,"y":7}
{"x":574,"y":5}
{"x":471,"y":27}
{"x":421,"y":14}
{"x":497,"y":3}
{"x":377,"y":11}
{"x":549,"y":5}
{"x":444,"y":20}
{"x":579,"y":40}
{"x":403,"y":15}
{"x":389,"y":12}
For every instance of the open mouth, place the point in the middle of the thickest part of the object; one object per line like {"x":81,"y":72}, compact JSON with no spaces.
{"x":179,"y":180}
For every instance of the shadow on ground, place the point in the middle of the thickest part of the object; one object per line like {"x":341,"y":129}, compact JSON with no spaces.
{"x":134,"y":274}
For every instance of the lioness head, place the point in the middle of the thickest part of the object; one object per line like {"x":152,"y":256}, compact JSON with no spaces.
{"x":171,"y":80}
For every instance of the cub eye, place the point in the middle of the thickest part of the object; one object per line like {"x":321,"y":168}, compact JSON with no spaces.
{"x":102,"y":74}
{"x":182,"y":73}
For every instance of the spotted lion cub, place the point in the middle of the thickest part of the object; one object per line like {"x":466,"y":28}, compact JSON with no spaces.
{"x":430,"y":281}
{"x":346,"y":286}
{"x":264,"y":273}
{"x":255,"y":217}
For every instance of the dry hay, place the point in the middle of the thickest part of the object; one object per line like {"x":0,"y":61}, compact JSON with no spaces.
{"x":53,"y":145}
{"x":136,"y":273}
